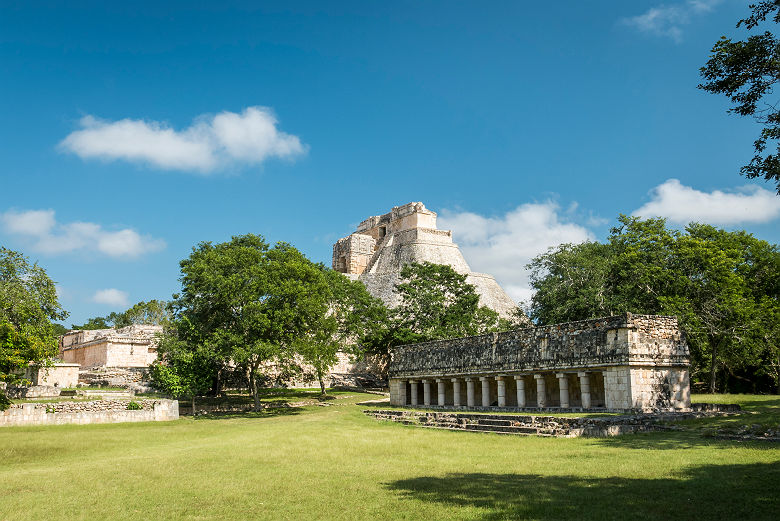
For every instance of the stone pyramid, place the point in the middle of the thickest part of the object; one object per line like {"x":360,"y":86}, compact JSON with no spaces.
{"x":383,"y":244}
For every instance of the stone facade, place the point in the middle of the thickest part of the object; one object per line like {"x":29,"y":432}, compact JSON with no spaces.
{"x":60,"y":374}
{"x":383,"y":244}
{"x":131,"y":346}
{"x":98,"y":411}
{"x":619,"y":363}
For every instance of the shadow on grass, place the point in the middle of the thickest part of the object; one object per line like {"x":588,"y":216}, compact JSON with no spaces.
{"x":705,"y":492}
{"x":676,"y":440}
{"x":265,"y":413}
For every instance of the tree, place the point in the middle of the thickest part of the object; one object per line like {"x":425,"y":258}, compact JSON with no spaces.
{"x":152,"y":312}
{"x":245,"y":303}
{"x":96,"y":323}
{"x":179,"y":370}
{"x":352,"y":314}
{"x":438,"y":303}
{"x":571,"y":281}
{"x":28,"y":304}
{"x":724,"y":287}
{"x":746,"y":72}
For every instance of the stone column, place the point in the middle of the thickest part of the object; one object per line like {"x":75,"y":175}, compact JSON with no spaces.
{"x":485,"y":390}
{"x":426,"y":392}
{"x":501,"y":385}
{"x":520,"y":380}
{"x":470,"y":392}
{"x":541,"y":399}
{"x":440,"y":386}
{"x":585,"y":389}
{"x":402,"y":392}
{"x":456,"y":392}
{"x":563,"y":386}
{"x":413,"y":387}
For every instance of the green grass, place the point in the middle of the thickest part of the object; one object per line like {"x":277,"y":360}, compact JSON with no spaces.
{"x":760,"y":412}
{"x":336,"y":463}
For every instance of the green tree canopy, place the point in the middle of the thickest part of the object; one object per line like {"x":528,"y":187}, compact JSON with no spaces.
{"x":746,"y":71}
{"x":721,"y":285}
{"x":437,"y":303}
{"x":28,"y":304}
{"x":243,"y":302}
{"x":152,"y":312}
{"x":352,"y":315}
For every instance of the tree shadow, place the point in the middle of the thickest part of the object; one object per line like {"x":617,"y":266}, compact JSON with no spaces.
{"x":270,"y":412}
{"x":676,"y":440}
{"x":710,"y":491}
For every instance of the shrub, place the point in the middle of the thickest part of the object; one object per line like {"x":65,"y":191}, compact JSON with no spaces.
{"x":134,"y":406}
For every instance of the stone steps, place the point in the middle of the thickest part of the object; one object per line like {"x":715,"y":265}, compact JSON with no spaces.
{"x":524,"y":425}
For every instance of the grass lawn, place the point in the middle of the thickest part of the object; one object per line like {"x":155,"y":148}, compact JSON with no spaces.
{"x":335,"y":463}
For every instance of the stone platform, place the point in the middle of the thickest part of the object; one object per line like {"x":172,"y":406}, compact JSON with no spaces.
{"x":532,"y":425}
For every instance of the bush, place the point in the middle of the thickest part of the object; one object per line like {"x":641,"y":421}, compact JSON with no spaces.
{"x":134,"y":406}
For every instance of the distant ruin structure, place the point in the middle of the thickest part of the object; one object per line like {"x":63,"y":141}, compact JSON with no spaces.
{"x":115,"y":357}
{"x":626,"y":362}
{"x":383,"y":244}
{"x":131,"y":346}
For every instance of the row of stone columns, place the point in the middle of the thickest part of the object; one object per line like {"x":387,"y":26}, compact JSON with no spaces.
{"x":541,"y":390}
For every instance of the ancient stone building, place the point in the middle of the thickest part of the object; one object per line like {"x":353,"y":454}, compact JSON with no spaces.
{"x":615,"y":363}
{"x":131,"y":346}
{"x":383,"y":244}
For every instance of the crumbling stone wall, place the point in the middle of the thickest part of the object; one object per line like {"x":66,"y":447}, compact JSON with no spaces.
{"x":131,"y":346}
{"x":136,"y":378}
{"x":582,"y":344}
{"x":634,"y":361}
{"x":97,"y":411}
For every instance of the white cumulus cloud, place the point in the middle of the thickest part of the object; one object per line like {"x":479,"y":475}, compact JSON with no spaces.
{"x":503,"y":245}
{"x":210,"y":143}
{"x":668,"y":20}
{"x":111,"y":297}
{"x":46,"y":235}
{"x":683,"y":204}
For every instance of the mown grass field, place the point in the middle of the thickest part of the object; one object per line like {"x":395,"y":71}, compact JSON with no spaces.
{"x":335,"y":463}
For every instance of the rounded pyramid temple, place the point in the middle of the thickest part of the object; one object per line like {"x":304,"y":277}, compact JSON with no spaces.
{"x":383,"y":244}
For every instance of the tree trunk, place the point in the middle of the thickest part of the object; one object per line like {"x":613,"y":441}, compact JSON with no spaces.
{"x":193,"y":406}
{"x":255,"y":390}
{"x":322,"y":381}
{"x":713,"y":365}
{"x":218,"y":383}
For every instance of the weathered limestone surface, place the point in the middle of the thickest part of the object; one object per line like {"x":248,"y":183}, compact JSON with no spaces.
{"x":60,"y":374}
{"x":622,"y":362}
{"x":136,"y":378}
{"x":131,"y":346}
{"x":544,"y":425}
{"x":98,"y":411}
{"x":383,"y":244}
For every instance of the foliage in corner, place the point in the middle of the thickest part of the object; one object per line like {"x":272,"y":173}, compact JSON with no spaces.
{"x":28,"y":304}
{"x":746,"y":71}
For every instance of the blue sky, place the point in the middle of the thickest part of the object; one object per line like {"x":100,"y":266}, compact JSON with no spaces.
{"x":133,"y":131}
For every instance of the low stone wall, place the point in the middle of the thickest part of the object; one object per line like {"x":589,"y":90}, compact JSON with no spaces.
{"x":97,"y":411}
{"x":33,"y":391}
{"x":540,"y":425}
{"x":136,"y":378}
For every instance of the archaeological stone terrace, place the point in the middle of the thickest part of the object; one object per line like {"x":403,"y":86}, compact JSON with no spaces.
{"x":383,"y":244}
{"x":626,"y":362}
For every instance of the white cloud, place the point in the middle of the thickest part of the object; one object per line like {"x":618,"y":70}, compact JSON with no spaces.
{"x":111,"y":297}
{"x":668,"y":20}
{"x":210,"y":143}
{"x":503,"y":245}
{"x":48,"y":236}
{"x":682,"y":204}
